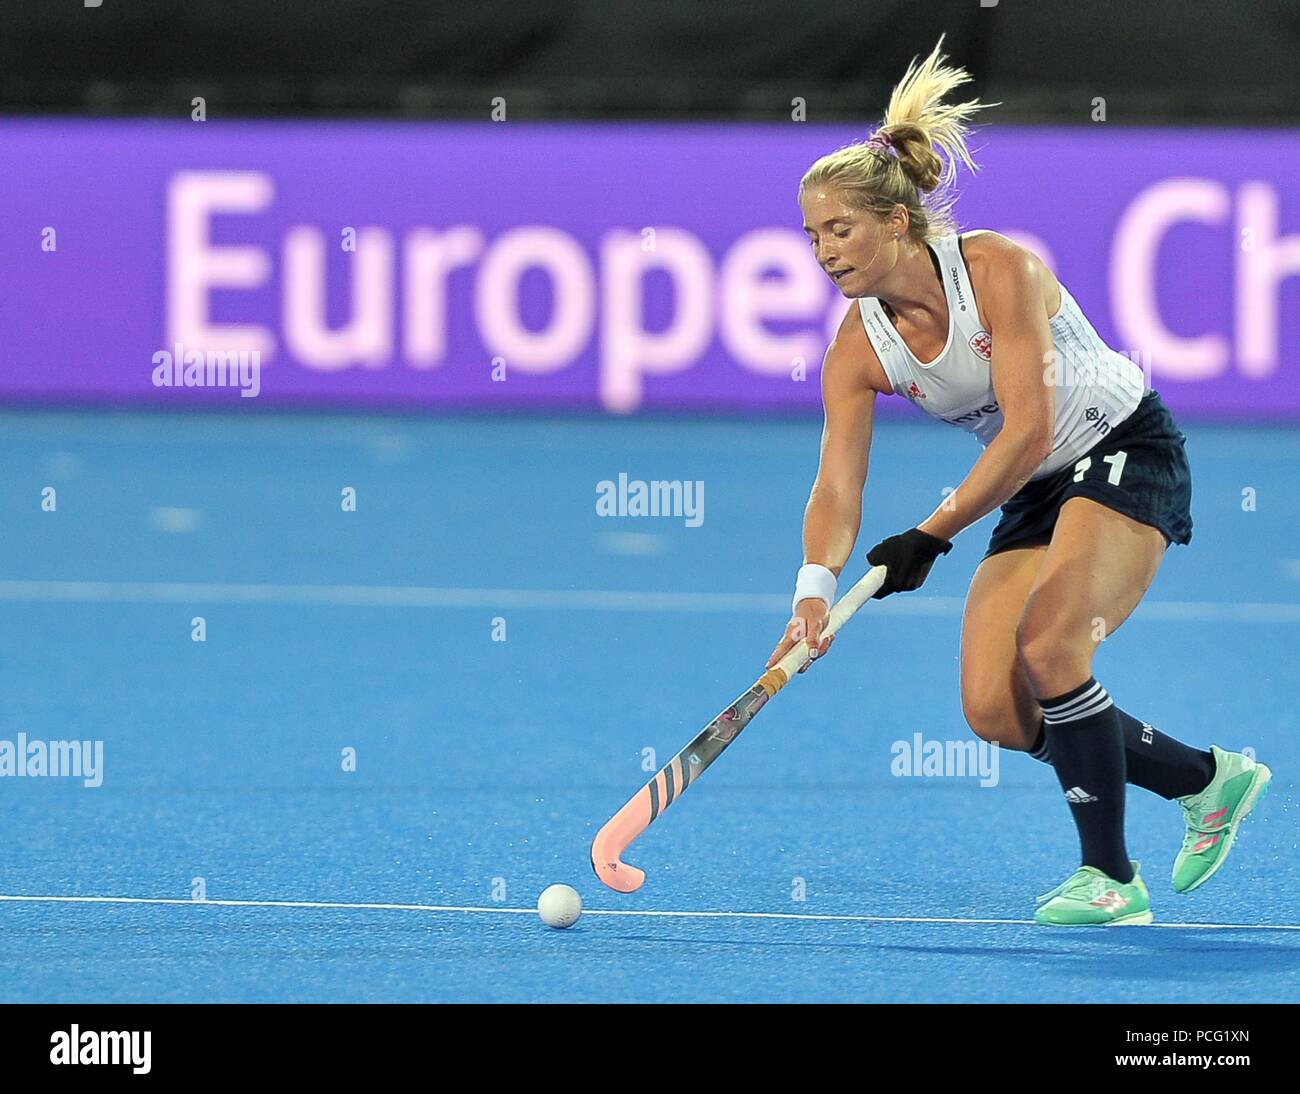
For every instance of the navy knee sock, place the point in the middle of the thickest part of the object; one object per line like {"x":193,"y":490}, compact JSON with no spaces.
{"x":1154,"y":760}
{"x":1086,"y":742}
{"x":1161,"y":764}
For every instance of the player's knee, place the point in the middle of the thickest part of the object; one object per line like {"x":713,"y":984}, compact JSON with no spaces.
{"x":1049,"y":655}
{"x":991,"y":716}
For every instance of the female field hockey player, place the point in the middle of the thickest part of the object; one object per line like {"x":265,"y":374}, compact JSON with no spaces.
{"x":1086,"y":463}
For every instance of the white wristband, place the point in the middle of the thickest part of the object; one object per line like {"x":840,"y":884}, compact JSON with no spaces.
{"x":814,"y":580}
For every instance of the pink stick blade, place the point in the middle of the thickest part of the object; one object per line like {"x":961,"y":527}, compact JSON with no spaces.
{"x":648,"y":803}
{"x":692,"y":761}
{"x":613,"y":839}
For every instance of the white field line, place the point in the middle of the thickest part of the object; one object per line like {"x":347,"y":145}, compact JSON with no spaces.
{"x":424,"y":596}
{"x":471,"y":909}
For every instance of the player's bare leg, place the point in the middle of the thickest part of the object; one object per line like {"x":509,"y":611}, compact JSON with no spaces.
{"x":999,"y":703}
{"x":995,"y":695}
{"x":1095,"y":572}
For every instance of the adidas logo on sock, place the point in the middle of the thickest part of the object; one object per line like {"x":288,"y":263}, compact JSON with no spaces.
{"x":1076,"y":795}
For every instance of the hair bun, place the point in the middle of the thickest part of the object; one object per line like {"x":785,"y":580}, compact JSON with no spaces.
{"x":916,"y":155}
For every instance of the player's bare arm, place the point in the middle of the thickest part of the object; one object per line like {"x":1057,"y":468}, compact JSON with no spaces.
{"x":1009,"y":282}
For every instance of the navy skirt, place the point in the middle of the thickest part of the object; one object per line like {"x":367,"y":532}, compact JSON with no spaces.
{"x":1146,"y":478}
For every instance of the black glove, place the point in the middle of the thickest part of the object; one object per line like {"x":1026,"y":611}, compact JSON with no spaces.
{"x":908,"y":558}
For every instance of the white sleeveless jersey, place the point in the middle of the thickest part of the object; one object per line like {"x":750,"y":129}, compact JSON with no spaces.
{"x":1096,"y":388}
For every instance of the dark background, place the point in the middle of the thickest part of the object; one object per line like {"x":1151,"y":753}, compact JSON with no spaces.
{"x":1154,"y":61}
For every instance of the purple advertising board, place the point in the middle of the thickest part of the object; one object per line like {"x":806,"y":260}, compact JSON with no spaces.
{"x":611,"y":268}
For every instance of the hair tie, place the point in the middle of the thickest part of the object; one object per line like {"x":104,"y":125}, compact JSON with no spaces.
{"x":880,"y":139}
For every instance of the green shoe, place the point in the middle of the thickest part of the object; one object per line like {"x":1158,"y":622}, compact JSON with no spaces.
{"x":1214,"y":815}
{"x":1089,"y":898}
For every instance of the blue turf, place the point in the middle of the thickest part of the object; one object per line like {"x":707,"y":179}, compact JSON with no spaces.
{"x":482,"y":760}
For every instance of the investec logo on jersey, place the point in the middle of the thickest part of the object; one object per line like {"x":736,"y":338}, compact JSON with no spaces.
{"x":956,"y":284}
{"x":986,"y":411}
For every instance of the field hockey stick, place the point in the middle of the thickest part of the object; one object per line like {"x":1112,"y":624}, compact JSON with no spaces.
{"x":670,"y":783}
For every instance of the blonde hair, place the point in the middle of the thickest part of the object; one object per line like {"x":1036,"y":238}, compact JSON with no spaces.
{"x":929,"y":137}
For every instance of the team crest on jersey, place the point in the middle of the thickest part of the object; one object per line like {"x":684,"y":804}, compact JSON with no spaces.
{"x":914,"y":392}
{"x":982,"y":343}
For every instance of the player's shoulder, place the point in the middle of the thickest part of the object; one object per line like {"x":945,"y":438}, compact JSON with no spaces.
{"x":851,"y":361}
{"x":996,"y":262}
{"x":993,"y":250}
